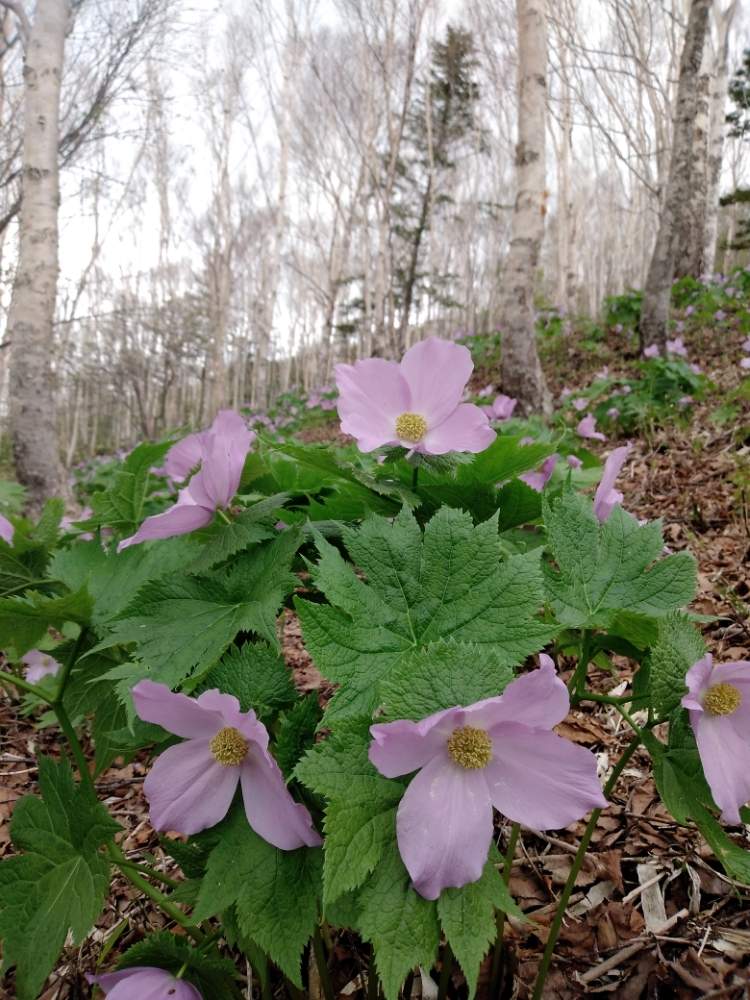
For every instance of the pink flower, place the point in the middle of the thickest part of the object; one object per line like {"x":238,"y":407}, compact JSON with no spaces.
{"x":690,"y":310}
{"x":328,"y":404}
{"x":587,"y":429}
{"x":695,"y":369}
{"x":39,"y":665}
{"x":224,"y":448}
{"x":720,"y":315}
{"x":415,"y":404}
{"x":617,"y":328}
{"x":487,"y":391}
{"x":613,"y":413}
{"x":574,"y":462}
{"x":192,"y":784}
{"x":580,"y":404}
{"x":746,"y":345}
{"x":677,"y":346}
{"x":6,"y":530}
{"x":564,"y":393}
{"x":503,"y":407}
{"x":652,"y":351}
{"x":603,"y":373}
{"x":685,"y":401}
{"x":745,"y":363}
{"x":718,"y":701}
{"x":538,"y":479}
{"x":607,"y":497}
{"x":143,"y":982}
{"x":185,"y":456}
{"x":498,"y":752}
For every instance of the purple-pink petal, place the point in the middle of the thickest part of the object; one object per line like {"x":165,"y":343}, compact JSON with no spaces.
{"x":372,"y":394}
{"x":725,"y":756}
{"x":503,"y":407}
{"x":404,"y":746}
{"x":184,"y":456}
{"x":540,"y":779}
{"x":270,"y":809}
{"x":587,"y":429}
{"x":538,"y":479}
{"x":178,"y":714}
{"x":652,"y":351}
{"x":465,"y":429}
{"x":39,"y":665}
{"x":188,"y":790}
{"x":444,"y":826}
{"x":225,"y":450}
{"x":436,"y":372}
{"x":607,"y":497}
{"x":6,"y":530}
{"x":180,"y":519}
{"x":142,"y":982}
{"x":538,"y":699}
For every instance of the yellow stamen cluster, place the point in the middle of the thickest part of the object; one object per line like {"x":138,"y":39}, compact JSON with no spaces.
{"x":411,"y":427}
{"x":228,"y":747}
{"x":722,"y":699}
{"x":470,"y":747}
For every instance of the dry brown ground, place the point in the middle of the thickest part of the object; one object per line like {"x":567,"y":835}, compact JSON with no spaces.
{"x":652,"y":915}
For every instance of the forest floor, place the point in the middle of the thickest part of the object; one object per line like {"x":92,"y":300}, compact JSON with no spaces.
{"x":652,"y":915}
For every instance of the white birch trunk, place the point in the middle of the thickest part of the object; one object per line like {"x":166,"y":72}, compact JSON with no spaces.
{"x":32,"y":308}
{"x":521,"y":371}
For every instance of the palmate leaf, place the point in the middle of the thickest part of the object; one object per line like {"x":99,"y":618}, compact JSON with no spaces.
{"x":602,"y":570}
{"x":275,"y":893}
{"x":447,"y":582}
{"x":121,"y":506}
{"x":180,"y":625}
{"x":60,"y":881}
{"x":25,"y":620}
{"x":678,"y":646}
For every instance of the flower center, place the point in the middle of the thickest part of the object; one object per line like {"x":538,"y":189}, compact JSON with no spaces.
{"x":470,"y":747}
{"x":411,"y":427}
{"x":722,"y":699}
{"x":229,"y":746}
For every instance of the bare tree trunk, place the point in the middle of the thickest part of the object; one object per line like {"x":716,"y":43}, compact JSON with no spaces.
{"x":691,"y":237}
{"x":32,"y":308}
{"x":717,"y":127}
{"x":656,"y":298}
{"x":521,"y":372}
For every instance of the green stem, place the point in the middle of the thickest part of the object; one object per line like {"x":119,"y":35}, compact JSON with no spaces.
{"x":25,"y":586}
{"x":414,"y":477}
{"x":62,"y":677}
{"x":150,"y":873}
{"x":606,"y":699}
{"x":223,"y":516}
{"x":577,"y":862}
{"x":167,"y":906}
{"x":23,"y":685}
{"x":63,"y":720}
{"x":322,"y":963}
{"x":630,"y":721}
{"x":445,"y":972}
{"x":510,"y":853}
{"x":578,"y":677}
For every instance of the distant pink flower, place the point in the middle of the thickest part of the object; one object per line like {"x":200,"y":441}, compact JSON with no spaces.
{"x":223,"y":451}
{"x":745,"y":363}
{"x":625,"y":390}
{"x":538,"y":479}
{"x":652,"y":351}
{"x":746,"y":345}
{"x":487,"y":391}
{"x":564,"y":393}
{"x":574,"y":462}
{"x":527,"y":440}
{"x":503,"y":407}
{"x":328,"y":404}
{"x":718,"y":701}
{"x":580,"y":404}
{"x":607,"y":497}
{"x":6,"y":530}
{"x":720,"y":315}
{"x":696,"y":369}
{"x":613,"y":413}
{"x":617,"y":328}
{"x":313,"y":400}
{"x":677,"y":346}
{"x":499,"y":752}
{"x":38,"y":665}
{"x":191,"y":785}
{"x":587,"y":429}
{"x":603,"y":373}
{"x":144,"y":982}
{"x":685,"y":401}
{"x":415,"y":403}
{"x":690,"y":310}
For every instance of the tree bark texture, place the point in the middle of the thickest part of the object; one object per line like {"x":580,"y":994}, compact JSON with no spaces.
{"x":522,"y":374}
{"x":32,"y":308}
{"x":674,"y":221}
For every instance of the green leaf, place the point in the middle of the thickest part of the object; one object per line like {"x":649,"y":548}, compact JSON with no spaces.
{"x":122,"y":505}
{"x":221,"y":540}
{"x":467,"y":916}
{"x":25,"y":620}
{"x":275,"y":892}
{"x":338,"y":766}
{"x":449,"y":582}
{"x":442,"y":675}
{"x":60,"y":882}
{"x":46,"y":530}
{"x":296,"y":732}
{"x":400,"y":924}
{"x":678,"y":646}
{"x":182,"y":625}
{"x":256,"y":675}
{"x":358,"y":832}
{"x":602,"y":570}
{"x":211,"y":974}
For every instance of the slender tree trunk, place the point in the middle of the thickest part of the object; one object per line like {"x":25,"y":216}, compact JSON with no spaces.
{"x":717,"y":128}
{"x":32,"y":308}
{"x":691,"y":237}
{"x":671,"y":235}
{"x":521,"y":371}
